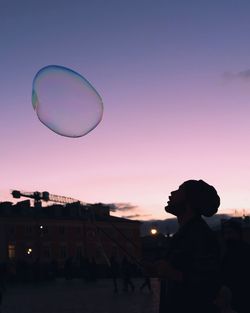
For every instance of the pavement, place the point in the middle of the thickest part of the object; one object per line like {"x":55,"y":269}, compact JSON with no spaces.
{"x":77,"y":296}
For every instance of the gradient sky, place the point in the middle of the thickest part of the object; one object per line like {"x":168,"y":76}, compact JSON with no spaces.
{"x":175,"y":81}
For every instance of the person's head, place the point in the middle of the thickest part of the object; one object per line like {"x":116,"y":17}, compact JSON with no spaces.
{"x":195,"y":196}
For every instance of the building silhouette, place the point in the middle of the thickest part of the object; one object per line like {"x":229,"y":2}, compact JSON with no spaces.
{"x":59,"y":232}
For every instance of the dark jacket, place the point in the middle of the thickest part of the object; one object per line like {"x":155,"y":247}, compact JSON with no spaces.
{"x":236,"y":274}
{"x":194,"y":251}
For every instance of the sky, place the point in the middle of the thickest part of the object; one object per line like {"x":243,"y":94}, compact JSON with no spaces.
{"x":174,"y":77}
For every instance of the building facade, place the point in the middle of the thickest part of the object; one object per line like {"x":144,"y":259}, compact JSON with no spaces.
{"x":59,"y":232}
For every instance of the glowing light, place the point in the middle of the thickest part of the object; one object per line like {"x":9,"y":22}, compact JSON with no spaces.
{"x":29,"y":251}
{"x":41,"y":226}
{"x":154,"y":231}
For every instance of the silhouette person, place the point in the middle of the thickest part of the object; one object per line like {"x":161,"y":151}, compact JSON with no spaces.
{"x":235,"y":265}
{"x":126,"y":275}
{"x":3,"y":270}
{"x":54,"y":268}
{"x":68,"y":268}
{"x":223,"y":300}
{"x":114,"y":268}
{"x":191,"y":264}
{"x":1,"y":299}
{"x":146,"y":283}
{"x":93,"y":269}
{"x":36,"y":270}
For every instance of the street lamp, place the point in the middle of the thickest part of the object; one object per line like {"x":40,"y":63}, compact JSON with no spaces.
{"x":29,"y":251}
{"x":153,"y":231}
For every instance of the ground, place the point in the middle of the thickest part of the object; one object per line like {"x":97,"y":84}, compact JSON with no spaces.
{"x":77,"y":296}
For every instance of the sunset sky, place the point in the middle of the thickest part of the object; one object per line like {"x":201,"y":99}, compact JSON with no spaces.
{"x":174,"y":76}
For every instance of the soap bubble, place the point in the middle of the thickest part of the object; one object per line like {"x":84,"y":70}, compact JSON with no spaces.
{"x":65,"y":101}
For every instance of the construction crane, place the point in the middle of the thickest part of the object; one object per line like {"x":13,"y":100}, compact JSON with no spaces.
{"x":43,"y":196}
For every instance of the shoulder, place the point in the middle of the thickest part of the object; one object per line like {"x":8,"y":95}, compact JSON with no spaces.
{"x":199,"y":230}
{"x":197,"y":235}
{"x":203,"y":238}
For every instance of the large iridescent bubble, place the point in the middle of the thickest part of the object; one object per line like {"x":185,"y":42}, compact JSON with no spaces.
{"x":65,"y":101}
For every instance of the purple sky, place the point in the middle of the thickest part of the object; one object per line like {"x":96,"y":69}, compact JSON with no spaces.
{"x":174,"y":77}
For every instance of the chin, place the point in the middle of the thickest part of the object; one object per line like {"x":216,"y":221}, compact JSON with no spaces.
{"x":170,"y":209}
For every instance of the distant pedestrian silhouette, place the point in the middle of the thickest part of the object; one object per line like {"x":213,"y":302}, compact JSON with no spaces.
{"x":191,"y":265}
{"x":54,"y":268}
{"x":93,"y":270}
{"x":235,"y":265}
{"x":223,"y":300}
{"x":114,"y":269}
{"x":3,"y":270}
{"x":1,"y":300}
{"x":68,"y":268}
{"x":146,"y":283}
{"x":126,"y":268}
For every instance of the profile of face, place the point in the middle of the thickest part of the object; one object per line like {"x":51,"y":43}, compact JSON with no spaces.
{"x":177,"y":201}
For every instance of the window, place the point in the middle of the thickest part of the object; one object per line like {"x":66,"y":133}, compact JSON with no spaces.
{"x":79,"y":252}
{"x":82,"y":211}
{"x":63,"y":252}
{"x":65,"y":211}
{"x":62,"y":230}
{"x":11,"y":252}
{"x":12,"y":230}
{"x":28,"y":229}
